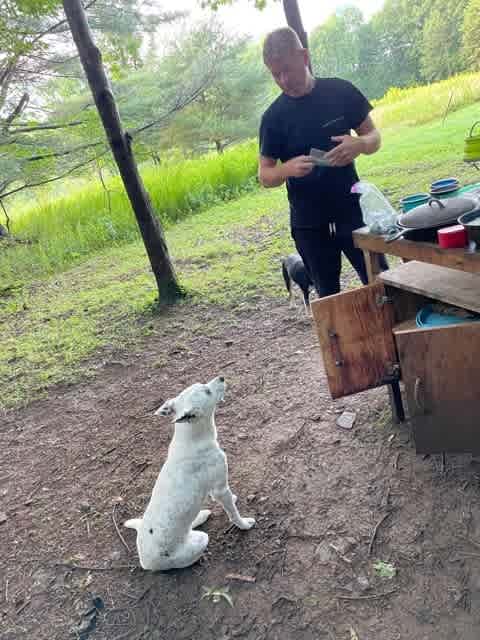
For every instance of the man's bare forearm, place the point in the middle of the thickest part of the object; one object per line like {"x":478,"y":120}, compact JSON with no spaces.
{"x":371,"y":142}
{"x":272,"y":176}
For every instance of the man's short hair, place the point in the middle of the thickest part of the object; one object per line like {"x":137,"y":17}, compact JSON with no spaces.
{"x":279,"y":43}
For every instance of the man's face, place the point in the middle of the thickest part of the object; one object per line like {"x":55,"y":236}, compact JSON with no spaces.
{"x":290,"y":72}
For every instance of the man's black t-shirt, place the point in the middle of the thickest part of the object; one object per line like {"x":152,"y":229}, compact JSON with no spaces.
{"x":292,"y":126}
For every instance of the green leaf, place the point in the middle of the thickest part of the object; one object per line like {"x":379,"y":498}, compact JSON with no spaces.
{"x":216,"y":594}
{"x":385,"y":570}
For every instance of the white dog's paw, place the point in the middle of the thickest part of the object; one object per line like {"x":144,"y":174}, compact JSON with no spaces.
{"x":202,"y":517}
{"x":246,"y":523}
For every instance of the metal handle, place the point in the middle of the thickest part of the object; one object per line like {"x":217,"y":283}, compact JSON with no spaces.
{"x":416,"y":395}
{"x":437,"y":201}
{"x":395,"y":236}
{"x":337,"y":354}
{"x":473,"y":127}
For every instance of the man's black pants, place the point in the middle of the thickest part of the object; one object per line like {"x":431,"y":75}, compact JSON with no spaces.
{"x":321,"y":251}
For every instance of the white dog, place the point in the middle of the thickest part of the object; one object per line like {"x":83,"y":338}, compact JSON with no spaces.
{"x":195,"y":468}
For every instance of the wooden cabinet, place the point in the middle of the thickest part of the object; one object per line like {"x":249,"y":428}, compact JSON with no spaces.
{"x":369,"y":337}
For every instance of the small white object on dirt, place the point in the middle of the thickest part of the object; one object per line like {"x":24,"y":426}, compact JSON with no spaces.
{"x":346,"y":420}
{"x":3,"y":517}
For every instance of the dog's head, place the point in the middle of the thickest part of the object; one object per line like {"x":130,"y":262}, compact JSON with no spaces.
{"x":195,"y":402}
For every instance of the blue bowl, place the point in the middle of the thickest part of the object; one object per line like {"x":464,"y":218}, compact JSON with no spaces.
{"x":415,"y":200}
{"x":446,"y":182}
{"x":426,"y":317}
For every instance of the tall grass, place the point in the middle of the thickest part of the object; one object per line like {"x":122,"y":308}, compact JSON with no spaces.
{"x":63,"y":231}
{"x":418,"y":105}
{"x":66,"y":230}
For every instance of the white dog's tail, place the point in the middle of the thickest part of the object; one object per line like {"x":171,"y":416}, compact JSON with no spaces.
{"x":133,"y":524}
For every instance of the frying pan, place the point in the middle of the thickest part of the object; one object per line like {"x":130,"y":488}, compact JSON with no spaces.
{"x":423,"y":221}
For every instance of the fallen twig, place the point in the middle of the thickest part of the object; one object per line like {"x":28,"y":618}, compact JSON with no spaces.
{"x":267,"y":555}
{"x":240,"y":578}
{"x":375,"y":531}
{"x":229,"y":528}
{"x":372,"y":597}
{"x":80,"y":567}
{"x":118,"y":530}
{"x":395,"y":464}
{"x":24,"y":606}
{"x":28,"y":501}
{"x":284,"y":560}
{"x":305,"y":536}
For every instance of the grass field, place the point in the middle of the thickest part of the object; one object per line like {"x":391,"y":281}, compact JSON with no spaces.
{"x":53,"y":324}
{"x":64,"y":231}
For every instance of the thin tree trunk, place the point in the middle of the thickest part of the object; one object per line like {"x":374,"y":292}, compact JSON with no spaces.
{"x":294,"y":20}
{"x":120,"y":143}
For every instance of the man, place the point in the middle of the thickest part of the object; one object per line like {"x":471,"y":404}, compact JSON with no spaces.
{"x":316,"y":113}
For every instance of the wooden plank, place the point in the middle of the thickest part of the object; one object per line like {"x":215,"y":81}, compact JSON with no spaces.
{"x":355,"y":334}
{"x":440,"y":371}
{"x":446,"y":285}
{"x":372,"y":264}
{"x":406,"y":325}
{"x":422,"y":251}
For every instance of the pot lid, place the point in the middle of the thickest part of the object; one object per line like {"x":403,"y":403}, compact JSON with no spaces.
{"x":436,"y":212}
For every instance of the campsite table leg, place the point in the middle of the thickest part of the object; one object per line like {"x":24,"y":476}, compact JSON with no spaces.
{"x":372,"y":261}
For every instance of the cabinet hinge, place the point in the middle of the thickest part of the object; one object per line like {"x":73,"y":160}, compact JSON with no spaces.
{"x":392,"y":373}
{"x":383,"y":300}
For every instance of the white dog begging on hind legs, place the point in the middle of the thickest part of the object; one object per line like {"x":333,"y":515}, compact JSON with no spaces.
{"x":196,"y":467}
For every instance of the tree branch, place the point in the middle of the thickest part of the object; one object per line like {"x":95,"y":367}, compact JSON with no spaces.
{"x":43,"y":127}
{"x":55,"y":26}
{"x":7,"y":217}
{"x":17,"y":111}
{"x":59,"y":154}
{"x":31,"y":185}
{"x":177,"y":107}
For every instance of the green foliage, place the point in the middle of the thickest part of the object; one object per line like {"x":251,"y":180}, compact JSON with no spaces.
{"x":335,"y":45}
{"x":385,"y":569}
{"x":418,"y":105}
{"x":216,"y":4}
{"x":471,"y":35}
{"x":67,"y":230}
{"x":441,"y":44}
{"x":404,"y":44}
{"x":229,"y":108}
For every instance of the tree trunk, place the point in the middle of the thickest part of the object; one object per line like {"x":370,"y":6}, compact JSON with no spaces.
{"x":120,"y":143}
{"x":294,"y":20}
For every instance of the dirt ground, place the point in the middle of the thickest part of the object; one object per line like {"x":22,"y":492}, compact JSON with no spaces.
{"x":329,"y":503}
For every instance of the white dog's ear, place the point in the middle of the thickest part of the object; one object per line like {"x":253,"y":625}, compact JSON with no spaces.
{"x":135,"y":523}
{"x":166,"y":409}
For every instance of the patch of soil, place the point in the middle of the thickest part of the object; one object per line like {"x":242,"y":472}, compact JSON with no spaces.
{"x":76,"y":465}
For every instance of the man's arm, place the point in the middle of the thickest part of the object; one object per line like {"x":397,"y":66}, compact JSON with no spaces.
{"x":369,"y":136}
{"x":272,"y":173}
{"x":366,"y":141}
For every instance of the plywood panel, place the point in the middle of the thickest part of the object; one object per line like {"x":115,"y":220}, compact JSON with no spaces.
{"x":355,"y":333}
{"x":446,"y":285}
{"x":423,"y":251}
{"x":441,"y":372}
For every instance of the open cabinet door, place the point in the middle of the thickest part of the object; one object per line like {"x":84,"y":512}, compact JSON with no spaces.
{"x":355,"y":333}
{"x":441,"y":373}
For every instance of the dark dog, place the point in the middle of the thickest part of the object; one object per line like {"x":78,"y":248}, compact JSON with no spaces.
{"x":293,"y":270}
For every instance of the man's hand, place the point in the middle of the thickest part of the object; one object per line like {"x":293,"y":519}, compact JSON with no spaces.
{"x":345,"y":152}
{"x":298,"y":167}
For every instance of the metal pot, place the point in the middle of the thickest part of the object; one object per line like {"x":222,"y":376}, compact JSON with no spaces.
{"x":427,"y":218}
{"x":471,"y":222}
